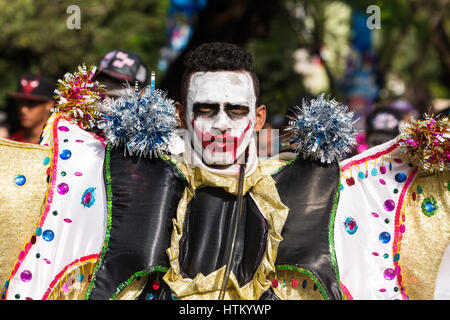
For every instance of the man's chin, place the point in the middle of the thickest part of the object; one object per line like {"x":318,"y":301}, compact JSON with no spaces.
{"x":220,"y":160}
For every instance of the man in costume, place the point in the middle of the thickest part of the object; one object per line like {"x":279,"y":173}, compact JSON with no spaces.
{"x":211,"y":221}
{"x":169,"y":220}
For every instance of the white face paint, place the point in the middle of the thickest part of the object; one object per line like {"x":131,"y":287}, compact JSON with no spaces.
{"x":221,"y":115}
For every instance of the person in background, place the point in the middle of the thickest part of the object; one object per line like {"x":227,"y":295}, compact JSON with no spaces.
{"x":118,"y":67}
{"x":34,"y":100}
{"x":382,"y":125}
{"x":4,"y":127}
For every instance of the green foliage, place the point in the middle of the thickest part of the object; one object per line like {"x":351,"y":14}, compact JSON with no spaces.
{"x":273,"y":61}
{"x":35,"y":36}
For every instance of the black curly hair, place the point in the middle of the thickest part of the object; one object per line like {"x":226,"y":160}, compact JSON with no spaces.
{"x":218,"y":56}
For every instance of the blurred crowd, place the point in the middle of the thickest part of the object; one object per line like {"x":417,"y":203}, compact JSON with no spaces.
{"x":34,"y":99}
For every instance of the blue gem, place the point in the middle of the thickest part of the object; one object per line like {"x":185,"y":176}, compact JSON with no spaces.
{"x":88,"y":197}
{"x":304,"y":284}
{"x":342,"y":187}
{"x":38,"y":231}
{"x":361,"y":175}
{"x":385,"y":237}
{"x":374,"y":172}
{"x":48,"y":235}
{"x":150,"y":296}
{"x":429,"y":206}
{"x":65,"y":154}
{"x":400,"y":177}
{"x":80,"y":277}
{"x":20,"y":180}
{"x":46,"y":161}
{"x":6,"y":284}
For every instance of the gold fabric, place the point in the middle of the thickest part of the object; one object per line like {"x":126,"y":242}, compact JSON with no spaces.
{"x":262,"y":189}
{"x":285,"y":289}
{"x":426,"y":238}
{"x":20,"y":206}
{"x":134,"y":289}
{"x":69,"y":287}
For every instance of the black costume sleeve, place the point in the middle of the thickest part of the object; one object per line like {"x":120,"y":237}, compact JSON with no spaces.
{"x":143,"y":198}
{"x":309,"y":189}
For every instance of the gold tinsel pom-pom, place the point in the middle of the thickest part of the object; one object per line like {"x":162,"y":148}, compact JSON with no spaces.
{"x":77,"y":95}
{"x":426,"y":142}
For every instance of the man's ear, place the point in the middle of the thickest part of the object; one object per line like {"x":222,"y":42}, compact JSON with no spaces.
{"x":260,"y":117}
{"x":181,"y":113}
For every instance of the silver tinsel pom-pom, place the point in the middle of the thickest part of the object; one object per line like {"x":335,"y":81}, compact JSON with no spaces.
{"x":322,"y":130}
{"x":141,"y":121}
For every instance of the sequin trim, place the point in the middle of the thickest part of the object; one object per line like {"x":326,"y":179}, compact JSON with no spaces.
{"x":108,"y":217}
{"x":399,"y":220}
{"x":371,"y":157}
{"x":123,"y":285}
{"x":308,"y":274}
{"x":331,"y":230}
{"x":60,"y":275}
{"x":346,"y":292}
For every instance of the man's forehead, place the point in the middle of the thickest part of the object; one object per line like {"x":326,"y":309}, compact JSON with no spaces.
{"x":222,"y":86}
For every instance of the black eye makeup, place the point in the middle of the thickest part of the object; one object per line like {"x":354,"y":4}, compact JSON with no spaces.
{"x":236,"y":111}
{"x":205,"y":109}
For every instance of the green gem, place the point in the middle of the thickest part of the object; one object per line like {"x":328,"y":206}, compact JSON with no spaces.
{"x":63,"y":173}
{"x":38,"y":255}
{"x":395,"y":190}
{"x":66,"y":140}
{"x":429,"y":206}
{"x":395,"y":289}
{"x":385,"y":256}
{"x":17,"y":296}
{"x":386,"y":220}
{"x":419,"y":189}
{"x":448,"y":186}
{"x":55,"y":213}
{"x":397,"y":257}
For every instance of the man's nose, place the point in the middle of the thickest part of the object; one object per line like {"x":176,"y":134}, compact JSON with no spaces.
{"x":221,"y":121}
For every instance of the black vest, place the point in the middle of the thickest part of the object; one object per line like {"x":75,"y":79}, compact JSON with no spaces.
{"x":145,"y":196}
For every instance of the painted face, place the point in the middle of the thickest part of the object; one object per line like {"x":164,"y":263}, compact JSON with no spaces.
{"x":221,"y":115}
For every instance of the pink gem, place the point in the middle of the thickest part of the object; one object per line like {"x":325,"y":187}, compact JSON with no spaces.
{"x":402,"y":228}
{"x":383,"y":169}
{"x":375,"y":214}
{"x":47,"y":261}
{"x":156,"y":285}
{"x":63,"y":188}
{"x":274,"y":283}
{"x":397,"y":269}
{"x":65,"y":287}
{"x":87,"y":197}
{"x":63,"y":128}
{"x":294,"y":283}
{"x":79,"y":141}
{"x":21,"y":255}
{"x":389,"y":274}
{"x":67,"y":220}
{"x":78,"y":174}
{"x":375,"y":254}
{"x":26,"y":276}
{"x":382,"y":182}
{"x":382,"y":290}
